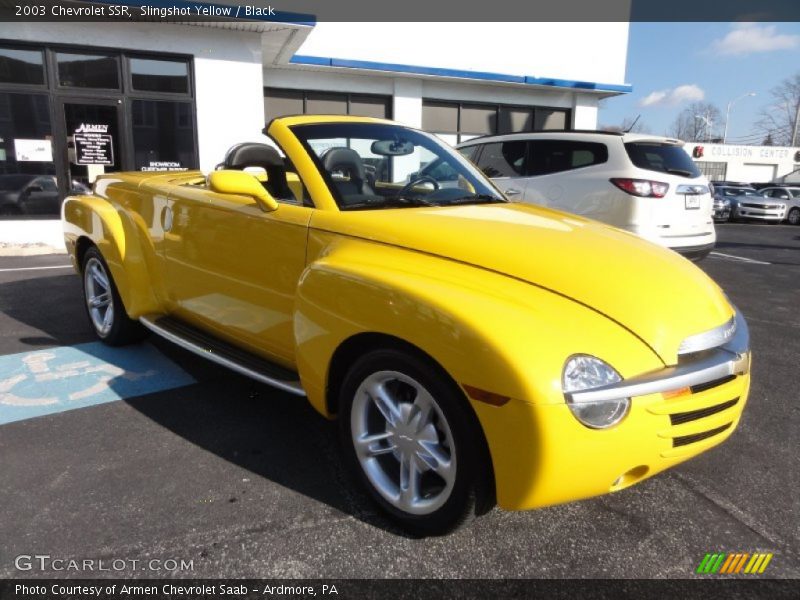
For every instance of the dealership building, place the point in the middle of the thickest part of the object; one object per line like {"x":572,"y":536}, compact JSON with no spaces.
{"x":747,"y":164}
{"x":81,"y":99}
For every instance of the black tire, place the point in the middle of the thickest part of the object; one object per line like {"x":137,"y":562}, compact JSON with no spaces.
{"x":793,"y":217}
{"x":468,"y":494}
{"x":121,"y":329}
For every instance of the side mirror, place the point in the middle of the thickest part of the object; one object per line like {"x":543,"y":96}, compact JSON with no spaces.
{"x":242,"y":184}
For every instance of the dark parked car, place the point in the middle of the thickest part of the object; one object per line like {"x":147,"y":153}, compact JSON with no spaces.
{"x":32,"y":194}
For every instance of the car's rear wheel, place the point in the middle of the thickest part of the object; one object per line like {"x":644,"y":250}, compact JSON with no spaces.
{"x":410,"y":438}
{"x":794,"y":216}
{"x":103,"y":305}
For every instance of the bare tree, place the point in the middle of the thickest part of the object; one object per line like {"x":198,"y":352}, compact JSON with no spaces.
{"x":632,"y":124}
{"x":697,"y":122}
{"x":780,"y":119}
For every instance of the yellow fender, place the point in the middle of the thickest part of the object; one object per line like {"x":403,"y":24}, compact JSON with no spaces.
{"x":507,"y":343}
{"x":118,"y":238}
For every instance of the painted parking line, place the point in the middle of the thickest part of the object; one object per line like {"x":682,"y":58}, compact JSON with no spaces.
{"x":740,"y":258}
{"x":43,"y":382}
{"x":35,"y":268}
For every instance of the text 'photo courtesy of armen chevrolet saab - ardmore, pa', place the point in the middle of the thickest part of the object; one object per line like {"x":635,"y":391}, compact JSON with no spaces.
{"x":310,"y":302}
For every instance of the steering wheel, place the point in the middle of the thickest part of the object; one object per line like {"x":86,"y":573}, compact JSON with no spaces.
{"x":416,"y":181}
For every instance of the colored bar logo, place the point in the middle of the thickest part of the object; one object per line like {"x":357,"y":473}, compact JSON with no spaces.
{"x":733,"y":563}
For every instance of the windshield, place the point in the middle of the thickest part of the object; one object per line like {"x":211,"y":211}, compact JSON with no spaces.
{"x":665,"y":158}
{"x":739,"y":191}
{"x":377,"y":165}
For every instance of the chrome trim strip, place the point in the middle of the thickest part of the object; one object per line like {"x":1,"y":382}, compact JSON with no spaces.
{"x":292,"y":388}
{"x":731,"y":359}
{"x":708,"y":339}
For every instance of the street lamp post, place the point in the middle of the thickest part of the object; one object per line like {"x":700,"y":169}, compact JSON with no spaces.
{"x":728,"y":113}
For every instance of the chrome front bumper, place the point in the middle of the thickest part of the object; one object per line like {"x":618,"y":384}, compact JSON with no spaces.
{"x":695,"y":368}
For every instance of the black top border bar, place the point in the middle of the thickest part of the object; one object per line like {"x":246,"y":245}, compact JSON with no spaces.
{"x":308,"y":12}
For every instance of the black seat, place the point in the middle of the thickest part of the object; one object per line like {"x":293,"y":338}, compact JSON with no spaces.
{"x":347,"y":162}
{"x":253,"y":154}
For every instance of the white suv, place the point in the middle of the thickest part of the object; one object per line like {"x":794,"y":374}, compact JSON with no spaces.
{"x":643,"y":183}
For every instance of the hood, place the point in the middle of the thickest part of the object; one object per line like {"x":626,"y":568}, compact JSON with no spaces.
{"x":655,"y":293}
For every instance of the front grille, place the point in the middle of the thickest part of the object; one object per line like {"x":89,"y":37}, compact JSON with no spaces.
{"x":702,"y":387}
{"x":685,"y":440}
{"x":693,"y":415}
{"x":761,"y":206}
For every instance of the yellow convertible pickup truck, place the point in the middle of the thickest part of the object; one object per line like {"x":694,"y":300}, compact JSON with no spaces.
{"x":475,"y":351}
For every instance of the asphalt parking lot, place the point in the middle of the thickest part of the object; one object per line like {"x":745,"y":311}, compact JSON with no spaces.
{"x":199,"y":464}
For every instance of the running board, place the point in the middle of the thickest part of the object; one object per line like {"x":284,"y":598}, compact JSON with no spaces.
{"x":205,"y":345}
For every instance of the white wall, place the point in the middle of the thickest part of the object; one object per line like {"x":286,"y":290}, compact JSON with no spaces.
{"x":580,"y":51}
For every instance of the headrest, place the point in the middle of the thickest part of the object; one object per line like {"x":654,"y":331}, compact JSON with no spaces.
{"x":252,"y":154}
{"x":346,"y":159}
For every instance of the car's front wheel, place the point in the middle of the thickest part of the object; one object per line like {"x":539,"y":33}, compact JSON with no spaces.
{"x":411,"y":439}
{"x":794,"y":216}
{"x":104,"y":306}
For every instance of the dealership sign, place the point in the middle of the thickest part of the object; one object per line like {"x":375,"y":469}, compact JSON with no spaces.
{"x":93,"y":145}
{"x":717,"y":151}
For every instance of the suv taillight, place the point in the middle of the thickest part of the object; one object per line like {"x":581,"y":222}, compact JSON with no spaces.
{"x":641,"y":187}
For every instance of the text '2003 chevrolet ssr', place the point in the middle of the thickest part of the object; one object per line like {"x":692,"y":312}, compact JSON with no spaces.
{"x":475,"y":351}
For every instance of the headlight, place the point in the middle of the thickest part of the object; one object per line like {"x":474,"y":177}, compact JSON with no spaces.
{"x":584,"y":372}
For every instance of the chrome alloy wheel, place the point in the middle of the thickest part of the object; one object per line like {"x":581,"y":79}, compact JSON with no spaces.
{"x":403,"y":442}
{"x":97,"y":289}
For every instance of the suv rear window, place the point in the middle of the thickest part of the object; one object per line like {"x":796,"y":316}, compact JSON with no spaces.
{"x":664,"y":158}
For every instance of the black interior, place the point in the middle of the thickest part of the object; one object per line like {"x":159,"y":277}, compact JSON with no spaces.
{"x":348,"y":174}
{"x":252,"y":154}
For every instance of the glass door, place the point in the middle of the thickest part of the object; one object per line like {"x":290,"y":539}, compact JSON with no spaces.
{"x":93,"y":140}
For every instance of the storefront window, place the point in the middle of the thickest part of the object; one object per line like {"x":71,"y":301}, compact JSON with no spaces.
{"x":457,"y":122}
{"x":714,"y":171}
{"x":155,"y":75}
{"x":99,"y":112}
{"x":88,"y":70}
{"x":27,"y":182}
{"x":21,"y":66}
{"x":163,"y":135}
{"x":549,"y":119}
{"x":279,"y":103}
{"x":326,"y":104}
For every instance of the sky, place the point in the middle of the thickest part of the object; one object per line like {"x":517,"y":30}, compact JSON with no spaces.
{"x":671,"y":65}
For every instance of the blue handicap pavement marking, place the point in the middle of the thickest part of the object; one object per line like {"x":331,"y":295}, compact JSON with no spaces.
{"x":52,"y":380}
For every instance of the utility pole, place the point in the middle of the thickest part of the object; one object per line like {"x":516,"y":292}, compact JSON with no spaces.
{"x":796,"y":123}
{"x":728,"y":113}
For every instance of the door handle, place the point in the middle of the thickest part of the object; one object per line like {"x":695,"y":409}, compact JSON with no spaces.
{"x":512,"y":192}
